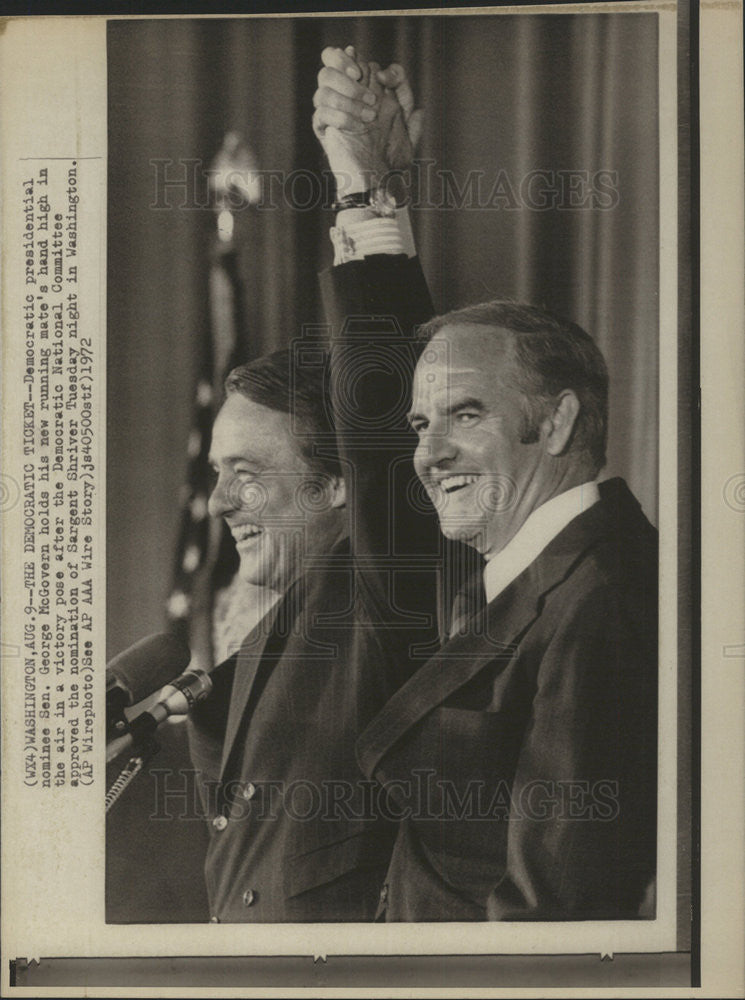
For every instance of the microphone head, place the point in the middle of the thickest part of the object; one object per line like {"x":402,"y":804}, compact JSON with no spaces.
{"x":147,"y":666}
{"x":185,"y":691}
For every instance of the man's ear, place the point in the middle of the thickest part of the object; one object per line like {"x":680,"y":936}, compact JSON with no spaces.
{"x":338,"y":491}
{"x":560,"y":423}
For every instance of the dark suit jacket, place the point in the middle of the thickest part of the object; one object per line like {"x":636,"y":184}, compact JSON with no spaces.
{"x":538,"y":733}
{"x":296,"y":832}
{"x":522,"y":758}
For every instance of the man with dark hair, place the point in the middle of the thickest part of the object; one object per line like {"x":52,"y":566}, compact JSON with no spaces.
{"x":522,"y":757}
{"x":303,"y":392}
{"x":296,"y":834}
{"x":269,"y":477}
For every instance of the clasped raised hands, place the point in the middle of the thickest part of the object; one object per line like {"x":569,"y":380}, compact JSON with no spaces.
{"x":364,"y":119}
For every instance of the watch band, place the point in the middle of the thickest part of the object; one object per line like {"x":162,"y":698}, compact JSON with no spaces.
{"x":358,"y":199}
{"x":376,"y":200}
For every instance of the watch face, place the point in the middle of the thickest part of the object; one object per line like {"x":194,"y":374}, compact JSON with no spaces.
{"x":383,"y":204}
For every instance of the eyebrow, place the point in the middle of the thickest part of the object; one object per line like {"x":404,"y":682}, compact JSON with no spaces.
{"x":469,"y":403}
{"x":235,"y":459}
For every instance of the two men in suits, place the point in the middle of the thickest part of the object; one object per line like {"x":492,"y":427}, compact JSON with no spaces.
{"x":535,"y":724}
{"x":351,"y":768}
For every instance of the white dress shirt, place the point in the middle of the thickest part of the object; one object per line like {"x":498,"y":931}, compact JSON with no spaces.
{"x":541,"y":527}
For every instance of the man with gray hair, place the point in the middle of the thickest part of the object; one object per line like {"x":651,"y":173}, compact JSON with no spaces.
{"x":522,"y":757}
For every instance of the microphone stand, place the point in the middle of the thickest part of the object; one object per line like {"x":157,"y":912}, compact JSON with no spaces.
{"x":145,"y":750}
{"x":177,"y":698}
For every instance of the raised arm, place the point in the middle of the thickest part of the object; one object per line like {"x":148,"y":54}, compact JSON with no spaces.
{"x":375,"y":298}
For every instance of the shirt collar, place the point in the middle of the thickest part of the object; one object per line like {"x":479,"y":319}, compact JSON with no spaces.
{"x":540,"y":528}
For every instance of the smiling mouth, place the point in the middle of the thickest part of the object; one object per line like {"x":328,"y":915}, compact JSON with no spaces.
{"x":451,"y":484}
{"x":245,"y":532}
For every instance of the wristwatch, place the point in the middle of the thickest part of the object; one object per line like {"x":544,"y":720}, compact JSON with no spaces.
{"x":375,"y":200}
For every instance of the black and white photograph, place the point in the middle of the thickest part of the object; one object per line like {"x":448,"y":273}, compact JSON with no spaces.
{"x":383,"y":424}
{"x":368,"y":569}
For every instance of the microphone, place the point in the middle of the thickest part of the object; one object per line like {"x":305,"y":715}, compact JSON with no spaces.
{"x":138,"y":672}
{"x":177,"y":698}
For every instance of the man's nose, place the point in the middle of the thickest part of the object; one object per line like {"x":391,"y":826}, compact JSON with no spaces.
{"x":219,"y":501}
{"x":436,"y":445}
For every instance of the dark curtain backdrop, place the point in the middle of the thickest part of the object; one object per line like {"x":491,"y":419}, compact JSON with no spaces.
{"x":513,"y":93}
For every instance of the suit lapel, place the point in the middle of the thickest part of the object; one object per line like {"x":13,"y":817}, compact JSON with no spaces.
{"x":460,"y":659}
{"x":247,"y":664}
{"x":266,"y":642}
{"x":495,"y":637}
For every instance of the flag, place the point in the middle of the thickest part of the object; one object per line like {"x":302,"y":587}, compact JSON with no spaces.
{"x":209,"y":606}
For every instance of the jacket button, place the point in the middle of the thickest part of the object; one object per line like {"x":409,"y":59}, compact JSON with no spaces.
{"x":384,"y":893}
{"x":214,"y":920}
{"x":249,"y":791}
{"x":248,"y":897}
{"x":220,"y":822}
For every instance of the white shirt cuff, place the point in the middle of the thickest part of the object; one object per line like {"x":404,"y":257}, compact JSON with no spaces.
{"x":357,"y":235}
